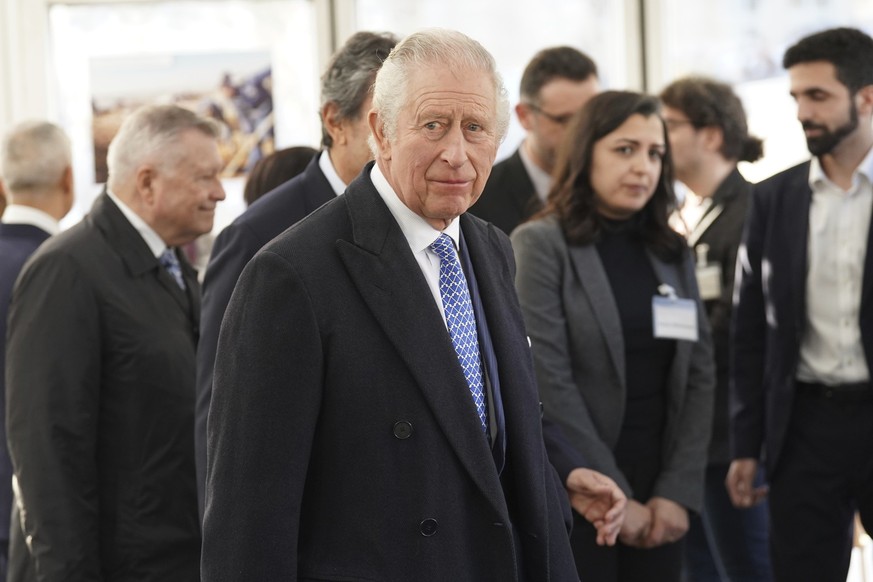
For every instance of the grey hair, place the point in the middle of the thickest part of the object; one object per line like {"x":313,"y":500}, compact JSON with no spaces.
{"x":34,"y":156}
{"x":148,"y":135}
{"x":448,"y":48}
{"x":348,"y":80}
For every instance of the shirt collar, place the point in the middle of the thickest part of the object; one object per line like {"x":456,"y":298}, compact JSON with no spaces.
{"x":817,"y":174}
{"x":541,"y":180}
{"x":153,"y":240}
{"x":21,"y":214}
{"x":419,"y":234}
{"x":329,"y":171}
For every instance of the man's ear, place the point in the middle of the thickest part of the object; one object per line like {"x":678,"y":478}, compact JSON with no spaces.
{"x":377,"y":129}
{"x":864,"y":98}
{"x":333,"y":123}
{"x":145,"y":178}
{"x":525,"y":115}
{"x":713,"y":137}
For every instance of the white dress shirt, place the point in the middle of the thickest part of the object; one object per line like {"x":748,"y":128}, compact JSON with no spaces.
{"x":419,"y":234}
{"x":329,"y":171}
{"x":831,"y":351}
{"x":20,"y":214}
{"x":541,"y":180}
{"x":153,"y":240}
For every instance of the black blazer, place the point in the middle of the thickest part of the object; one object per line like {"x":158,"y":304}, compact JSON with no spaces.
{"x":770,"y":317}
{"x":721,"y":229}
{"x":17,"y":243}
{"x":343,"y":442}
{"x":234,"y":247}
{"x":100,"y":377}
{"x":509,"y":197}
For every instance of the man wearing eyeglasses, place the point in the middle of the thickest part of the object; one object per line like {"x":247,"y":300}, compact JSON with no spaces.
{"x":556,"y":83}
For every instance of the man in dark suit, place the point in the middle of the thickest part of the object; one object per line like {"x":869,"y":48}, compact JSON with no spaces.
{"x":706,"y":124}
{"x":375,"y":413}
{"x":803,"y":326}
{"x":36,"y":161}
{"x":346,"y":96}
{"x":556,"y":84}
{"x":100,"y":367}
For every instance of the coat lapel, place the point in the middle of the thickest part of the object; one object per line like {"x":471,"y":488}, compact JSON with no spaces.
{"x":388,"y":278}
{"x":592,"y":277}
{"x":795,"y":209}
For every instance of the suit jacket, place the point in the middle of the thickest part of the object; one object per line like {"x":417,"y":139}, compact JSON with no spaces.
{"x":343,"y":442}
{"x":721,"y":229}
{"x":509,"y":197}
{"x":578,"y":349}
{"x":100,"y":377}
{"x":17,"y":243}
{"x":770,"y":316}
{"x":234,"y":247}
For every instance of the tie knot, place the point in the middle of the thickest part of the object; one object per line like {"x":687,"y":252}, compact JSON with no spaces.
{"x":444,"y":247}
{"x":169,"y":259}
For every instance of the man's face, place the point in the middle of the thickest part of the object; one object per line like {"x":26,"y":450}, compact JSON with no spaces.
{"x":445,"y":142}
{"x":185,"y":191}
{"x":546,"y":120}
{"x":686,"y":144}
{"x":825,"y":108}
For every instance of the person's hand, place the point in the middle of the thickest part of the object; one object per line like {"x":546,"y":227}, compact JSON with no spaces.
{"x":599,"y":500}
{"x":740,"y":483}
{"x":637,"y":523}
{"x":669,"y":522}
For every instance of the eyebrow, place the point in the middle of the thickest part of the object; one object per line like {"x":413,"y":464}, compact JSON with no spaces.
{"x":637,"y":142}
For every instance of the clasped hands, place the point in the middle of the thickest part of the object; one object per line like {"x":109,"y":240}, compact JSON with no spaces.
{"x":657,"y":522}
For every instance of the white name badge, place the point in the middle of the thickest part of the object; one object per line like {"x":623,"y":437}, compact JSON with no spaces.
{"x":709,"y":282}
{"x":674,"y":318}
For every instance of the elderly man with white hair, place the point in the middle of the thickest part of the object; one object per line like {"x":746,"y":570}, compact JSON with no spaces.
{"x":100,"y":368}
{"x":375,"y":413}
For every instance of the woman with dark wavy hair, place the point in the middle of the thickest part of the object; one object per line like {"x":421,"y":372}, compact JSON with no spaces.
{"x":619,"y":337}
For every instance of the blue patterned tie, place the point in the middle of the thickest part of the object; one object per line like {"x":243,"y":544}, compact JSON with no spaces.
{"x":170,"y":262}
{"x":460,"y":320}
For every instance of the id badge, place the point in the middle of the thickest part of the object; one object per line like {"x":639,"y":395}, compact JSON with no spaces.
{"x":709,"y":281}
{"x":674,"y":318}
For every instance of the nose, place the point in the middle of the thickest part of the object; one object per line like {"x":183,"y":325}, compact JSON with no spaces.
{"x":218,"y":193}
{"x":804,"y":111}
{"x":455,"y":147}
{"x":643,"y":163}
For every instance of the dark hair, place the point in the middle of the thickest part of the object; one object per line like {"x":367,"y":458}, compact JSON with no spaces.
{"x":849,"y":50}
{"x":561,"y":62}
{"x":710,"y":103}
{"x":572,"y":199}
{"x":350,"y":74}
{"x":276,"y":169}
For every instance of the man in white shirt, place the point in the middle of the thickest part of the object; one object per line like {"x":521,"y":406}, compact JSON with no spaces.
{"x":803,"y":326}
{"x":36,"y":161}
{"x":556,"y":83}
{"x":100,"y":367}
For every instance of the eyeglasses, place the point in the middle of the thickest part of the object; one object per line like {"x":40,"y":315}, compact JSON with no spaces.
{"x":559,"y":119}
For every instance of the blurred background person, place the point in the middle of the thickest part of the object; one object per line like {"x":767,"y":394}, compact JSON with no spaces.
{"x":706,"y":126}
{"x":36,"y":160}
{"x":101,"y":365}
{"x":275,"y":169}
{"x":635,"y":398}
{"x":556,"y":83}
{"x":2,"y":197}
{"x":346,"y":97}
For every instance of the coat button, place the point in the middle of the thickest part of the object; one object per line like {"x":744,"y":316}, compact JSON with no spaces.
{"x":402,"y":430}
{"x":428,"y":527}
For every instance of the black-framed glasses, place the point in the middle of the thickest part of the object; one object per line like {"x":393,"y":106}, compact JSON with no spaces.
{"x":559,"y":119}
{"x":674,"y":123}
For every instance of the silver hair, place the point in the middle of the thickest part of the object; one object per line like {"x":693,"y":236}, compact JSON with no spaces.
{"x":34,"y":156}
{"x":429,"y":47}
{"x":348,"y":79}
{"x":149,"y":135}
